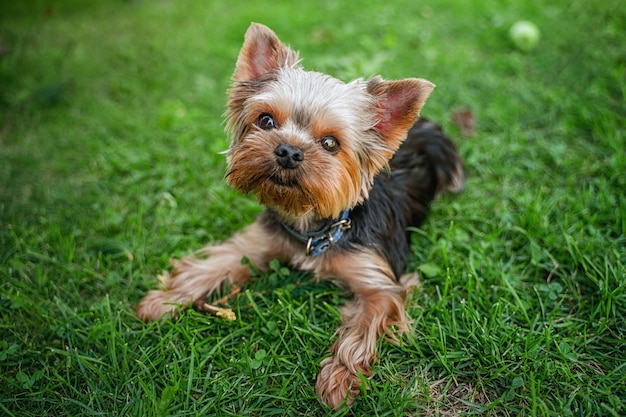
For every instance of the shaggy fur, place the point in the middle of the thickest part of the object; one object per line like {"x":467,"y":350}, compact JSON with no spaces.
{"x":310,"y":148}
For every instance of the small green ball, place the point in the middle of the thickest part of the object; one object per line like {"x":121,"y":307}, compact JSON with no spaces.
{"x":524,"y":35}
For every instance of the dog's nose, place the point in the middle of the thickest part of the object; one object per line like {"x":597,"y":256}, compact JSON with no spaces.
{"x":288,"y":156}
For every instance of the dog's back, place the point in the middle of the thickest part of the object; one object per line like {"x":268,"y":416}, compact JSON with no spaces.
{"x":426,"y":165}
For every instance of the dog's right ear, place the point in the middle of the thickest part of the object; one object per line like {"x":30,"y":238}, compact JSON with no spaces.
{"x":262,"y":52}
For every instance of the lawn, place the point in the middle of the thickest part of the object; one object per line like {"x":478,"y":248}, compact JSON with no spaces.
{"x":110,"y":138}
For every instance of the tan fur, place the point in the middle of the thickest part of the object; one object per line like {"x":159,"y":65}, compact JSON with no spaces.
{"x":369,"y":119}
{"x":193,"y":278}
{"x":377,"y":306}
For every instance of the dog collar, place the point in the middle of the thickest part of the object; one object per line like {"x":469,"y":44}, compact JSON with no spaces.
{"x":325,"y":238}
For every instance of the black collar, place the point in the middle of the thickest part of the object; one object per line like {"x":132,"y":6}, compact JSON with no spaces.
{"x":323,"y":239}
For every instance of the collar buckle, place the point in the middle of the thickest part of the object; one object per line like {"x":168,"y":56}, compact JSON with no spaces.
{"x":324,"y":239}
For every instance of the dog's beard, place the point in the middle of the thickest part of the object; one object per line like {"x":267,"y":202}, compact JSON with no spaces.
{"x":285,"y":191}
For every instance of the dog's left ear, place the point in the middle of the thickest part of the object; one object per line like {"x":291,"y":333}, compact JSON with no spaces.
{"x":262,"y":51}
{"x":398,"y":104}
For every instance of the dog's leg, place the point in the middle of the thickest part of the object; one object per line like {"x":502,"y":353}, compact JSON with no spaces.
{"x":378,"y":304}
{"x":192,"y":279}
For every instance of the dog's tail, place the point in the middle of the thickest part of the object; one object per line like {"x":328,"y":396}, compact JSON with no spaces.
{"x":438,"y":152}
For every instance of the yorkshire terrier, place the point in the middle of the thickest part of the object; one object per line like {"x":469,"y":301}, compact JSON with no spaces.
{"x":344,"y":169}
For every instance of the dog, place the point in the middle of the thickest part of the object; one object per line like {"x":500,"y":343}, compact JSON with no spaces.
{"x":343,"y":169}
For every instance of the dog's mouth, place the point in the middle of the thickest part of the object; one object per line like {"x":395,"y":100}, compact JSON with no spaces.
{"x":281,"y":182}
{"x":284,"y":181}
{"x":285,"y":193}
{"x":284,"y":189}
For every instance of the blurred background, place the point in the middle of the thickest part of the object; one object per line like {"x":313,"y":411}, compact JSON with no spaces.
{"x":110,"y":137}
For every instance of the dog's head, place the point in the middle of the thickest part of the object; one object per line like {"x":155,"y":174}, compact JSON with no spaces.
{"x":306,"y":143}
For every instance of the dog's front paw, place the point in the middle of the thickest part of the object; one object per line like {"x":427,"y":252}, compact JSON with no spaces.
{"x":336,"y":383}
{"x":157,"y":304}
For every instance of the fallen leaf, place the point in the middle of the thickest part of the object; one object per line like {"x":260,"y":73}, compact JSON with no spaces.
{"x":465,"y":121}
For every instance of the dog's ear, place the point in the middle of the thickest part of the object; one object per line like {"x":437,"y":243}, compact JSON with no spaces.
{"x":398,"y":104}
{"x":262,"y":51}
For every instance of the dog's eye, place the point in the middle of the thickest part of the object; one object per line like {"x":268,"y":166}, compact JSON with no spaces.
{"x":266,"y":122}
{"x":330,"y":144}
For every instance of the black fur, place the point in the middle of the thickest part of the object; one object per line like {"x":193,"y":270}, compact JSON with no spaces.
{"x":424,"y":166}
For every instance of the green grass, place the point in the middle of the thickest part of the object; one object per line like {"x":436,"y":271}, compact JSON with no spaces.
{"x":110,"y":132}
